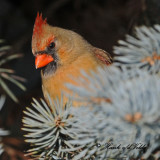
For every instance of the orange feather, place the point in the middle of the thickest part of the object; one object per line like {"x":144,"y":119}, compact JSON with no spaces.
{"x":39,"y":23}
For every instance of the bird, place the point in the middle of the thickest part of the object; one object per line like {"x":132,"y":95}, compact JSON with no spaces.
{"x":62,"y":54}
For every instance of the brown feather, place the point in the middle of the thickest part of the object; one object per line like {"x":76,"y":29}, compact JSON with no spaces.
{"x":102,"y":56}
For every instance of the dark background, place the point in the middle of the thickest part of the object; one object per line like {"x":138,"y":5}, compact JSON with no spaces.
{"x":101,"y":22}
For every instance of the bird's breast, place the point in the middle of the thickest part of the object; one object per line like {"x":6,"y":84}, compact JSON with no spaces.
{"x":54,"y":84}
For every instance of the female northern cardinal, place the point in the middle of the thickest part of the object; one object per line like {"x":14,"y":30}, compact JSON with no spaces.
{"x":61,"y":54}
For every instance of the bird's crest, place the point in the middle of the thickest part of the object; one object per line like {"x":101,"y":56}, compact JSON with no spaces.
{"x":39,"y":23}
{"x":38,"y":32}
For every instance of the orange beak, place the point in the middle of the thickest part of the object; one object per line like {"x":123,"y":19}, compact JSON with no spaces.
{"x":42,"y":60}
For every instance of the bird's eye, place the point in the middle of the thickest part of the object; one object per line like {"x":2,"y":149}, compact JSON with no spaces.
{"x":51,"y":45}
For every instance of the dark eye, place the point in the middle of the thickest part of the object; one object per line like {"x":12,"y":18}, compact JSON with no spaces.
{"x":51,"y":45}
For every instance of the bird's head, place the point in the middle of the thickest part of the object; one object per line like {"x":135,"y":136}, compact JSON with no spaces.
{"x":53,"y":46}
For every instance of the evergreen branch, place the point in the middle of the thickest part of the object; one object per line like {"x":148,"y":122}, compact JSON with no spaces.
{"x":7,"y":74}
{"x":4,"y":48}
{"x":2,"y":132}
{"x":9,"y":78}
{"x":9,"y":58}
{"x":142,"y":51}
{"x":130,"y":118}
{"x":6,"y":70}
{"x":48,"y":133}
{"x":7,"y":90}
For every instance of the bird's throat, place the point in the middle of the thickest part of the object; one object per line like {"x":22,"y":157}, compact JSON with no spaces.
{"x":49,"y":69}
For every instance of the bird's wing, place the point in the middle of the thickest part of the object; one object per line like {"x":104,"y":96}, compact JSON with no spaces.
{"x":102,"y":55}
